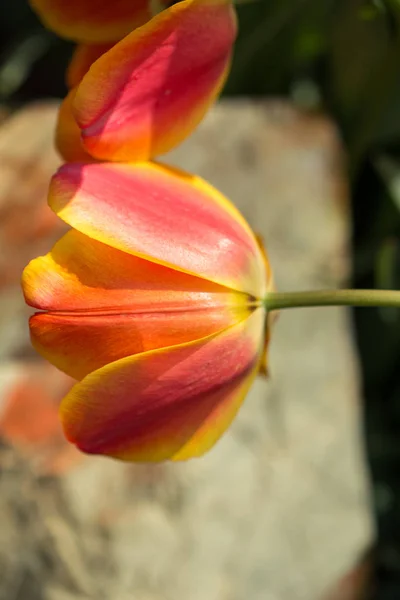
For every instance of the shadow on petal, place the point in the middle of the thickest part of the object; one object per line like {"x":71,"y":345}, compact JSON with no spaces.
{"x":148,"y":93}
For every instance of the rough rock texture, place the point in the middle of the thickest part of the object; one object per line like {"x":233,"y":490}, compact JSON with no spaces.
{"x":279,"y":510}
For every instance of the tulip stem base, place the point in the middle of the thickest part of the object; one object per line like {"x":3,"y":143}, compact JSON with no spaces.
{"x":281,"y":300}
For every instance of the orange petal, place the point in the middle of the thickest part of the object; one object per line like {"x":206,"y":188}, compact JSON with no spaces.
{"x":104,"y":305}
{"x":68,"y":135}
{"x":148,"y":93}
{"x":164,"y":215}
{"x":92,"y":21}
{"x":82,"y":59}
{"x":173,"y":403}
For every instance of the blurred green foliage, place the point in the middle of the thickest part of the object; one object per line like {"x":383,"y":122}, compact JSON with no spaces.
{"x":348,"y":53}
{"x":341,"y":56}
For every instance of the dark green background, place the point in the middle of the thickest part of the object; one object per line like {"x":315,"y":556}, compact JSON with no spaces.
{"x":342,"y":56}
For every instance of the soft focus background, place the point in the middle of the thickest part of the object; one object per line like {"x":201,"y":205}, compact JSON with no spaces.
{"x":306,"y":142}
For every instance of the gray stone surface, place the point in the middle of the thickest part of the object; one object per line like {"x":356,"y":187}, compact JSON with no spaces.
{"x":279,"y":510}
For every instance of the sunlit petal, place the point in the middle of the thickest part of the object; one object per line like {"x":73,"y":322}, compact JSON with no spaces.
{"x":162,"y":214}
{"x":104,"y":305}
{"x":148,"y":93}
{"x":173,"y":403}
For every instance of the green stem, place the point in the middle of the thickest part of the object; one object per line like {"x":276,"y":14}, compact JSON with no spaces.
{"x":280,"y":300}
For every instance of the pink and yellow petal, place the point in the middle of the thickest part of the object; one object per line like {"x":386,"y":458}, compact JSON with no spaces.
{"x":82,"y":274}
{"x":173,"y":403}
{"x":164,"y":215}
{"x":82,"y":59}
{"x":148,"y":93}
{"x":68,"y":135}
{"x":78,"y":344}
{"x":103,"y":305}
{"x":92,"y":21}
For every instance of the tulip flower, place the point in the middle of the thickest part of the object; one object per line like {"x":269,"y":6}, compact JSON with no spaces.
{"x":148,"y":92}
{"x":153,"y":301}
{"x":157,"y":300}
{"x":93,"y":21}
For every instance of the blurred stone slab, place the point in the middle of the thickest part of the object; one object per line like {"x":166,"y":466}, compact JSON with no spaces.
{"x":27,"y":226}
{"x":279,"y":510}
{"x":298,"y":435}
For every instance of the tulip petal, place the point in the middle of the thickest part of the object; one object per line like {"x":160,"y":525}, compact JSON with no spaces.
{"x":92,"y":21}
{"x":68,"y":135}
{"x":164,"y":215}
{"x":172,"y":403}
{"x":148,"y":93}
{"x":82,"y":59}
{"x":104,"y":305}
{"x":82,"y":274}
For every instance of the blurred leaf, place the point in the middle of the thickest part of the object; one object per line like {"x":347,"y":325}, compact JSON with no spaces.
{"x":277,"y":39}
{"x":389,"y":170}
{"x":17,"y":62}
{"x":371,"y":9}
{"x":364,"y":74}
{"x":309,"y":44}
